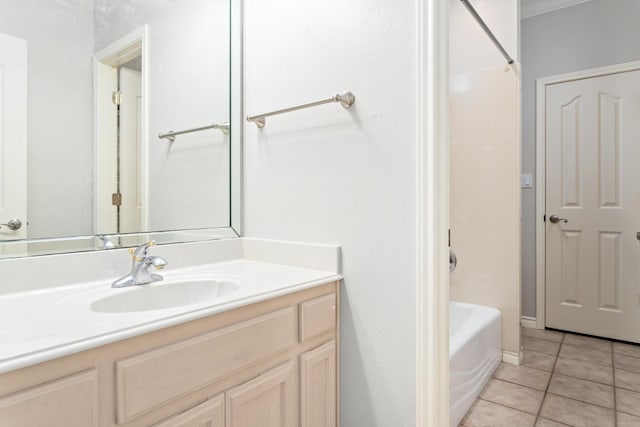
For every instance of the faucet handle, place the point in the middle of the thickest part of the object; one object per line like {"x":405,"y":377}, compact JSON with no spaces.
{"x":135,"y":252}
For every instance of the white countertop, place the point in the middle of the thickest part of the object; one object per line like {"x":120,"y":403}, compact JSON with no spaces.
{"x":44,"y":324}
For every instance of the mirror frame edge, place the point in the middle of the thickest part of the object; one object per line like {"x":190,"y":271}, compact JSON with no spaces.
{"x":236,"y":104}
{"x":236,"y":153}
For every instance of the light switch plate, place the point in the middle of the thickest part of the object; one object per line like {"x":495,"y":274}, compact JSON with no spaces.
{"x":526,"y":180}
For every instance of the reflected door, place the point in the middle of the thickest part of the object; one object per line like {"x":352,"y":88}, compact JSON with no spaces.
{"x":13,"y":136}
{"x":129,"y":151}
{"x":119,"y":147}
{"x":593,"y":193}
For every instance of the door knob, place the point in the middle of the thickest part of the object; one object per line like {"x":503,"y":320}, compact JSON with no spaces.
{"x":555,"y":219}
{"x":13,"y":224}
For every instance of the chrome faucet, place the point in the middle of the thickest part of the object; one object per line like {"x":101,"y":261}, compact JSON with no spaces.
{"x":142,"y":262}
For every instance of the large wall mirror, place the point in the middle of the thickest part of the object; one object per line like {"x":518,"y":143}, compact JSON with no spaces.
{"x":116,"y":123}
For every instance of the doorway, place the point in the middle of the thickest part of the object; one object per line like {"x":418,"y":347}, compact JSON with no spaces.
{"x":121,"y":142}
{"x":588,"y":203}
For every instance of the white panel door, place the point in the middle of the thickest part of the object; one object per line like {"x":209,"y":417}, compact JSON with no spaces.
{"x":130,"y":150}
{"x":13,"y":135}
{"x":106,"y":148}
{"x":593,"y":181}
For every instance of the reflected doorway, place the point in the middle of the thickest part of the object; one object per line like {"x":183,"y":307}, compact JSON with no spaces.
{"x":121,"y":136}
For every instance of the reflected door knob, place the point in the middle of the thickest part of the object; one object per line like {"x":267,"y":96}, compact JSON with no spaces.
{"x":13,"y":224}
{"x":555,"y":219}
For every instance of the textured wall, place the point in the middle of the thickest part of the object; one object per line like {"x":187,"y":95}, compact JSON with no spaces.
{"x":331,"y":175}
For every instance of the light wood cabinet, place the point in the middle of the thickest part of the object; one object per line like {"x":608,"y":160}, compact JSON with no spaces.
{"x":270,"y":364}
{"x":270,"y":400}
{"x":317,"y":316}
{"x":153,"y":378}
{"x":318,"y":386}
{"x":206,"y":414}
{"x":71,"y":401}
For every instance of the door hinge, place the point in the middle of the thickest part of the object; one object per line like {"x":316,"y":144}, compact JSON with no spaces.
{"x":116,"y":199}
{"x":116,"y":97}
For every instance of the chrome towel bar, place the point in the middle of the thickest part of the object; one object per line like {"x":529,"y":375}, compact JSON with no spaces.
{"x":171,"y":135}
{"x":345,"y":99}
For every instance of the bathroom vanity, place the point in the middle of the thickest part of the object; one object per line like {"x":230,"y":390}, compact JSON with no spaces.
{"x":264,"y":355}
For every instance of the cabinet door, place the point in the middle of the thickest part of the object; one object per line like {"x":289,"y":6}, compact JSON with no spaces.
{"x":318,"y":386}
{"x":269,"y":400}
{"x":68,"y":402}
{"x":206,"y":414}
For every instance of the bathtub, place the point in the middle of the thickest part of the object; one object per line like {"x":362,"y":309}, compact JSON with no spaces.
{"x":475,"y":351}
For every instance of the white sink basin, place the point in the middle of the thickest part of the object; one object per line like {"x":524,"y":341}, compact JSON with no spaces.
{"x":159,"y":296}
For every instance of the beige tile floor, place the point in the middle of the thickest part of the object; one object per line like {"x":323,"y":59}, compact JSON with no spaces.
{"x":565,"y":380}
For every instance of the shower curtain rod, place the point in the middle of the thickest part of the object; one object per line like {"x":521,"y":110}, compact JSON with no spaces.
{"x":487,"y":30}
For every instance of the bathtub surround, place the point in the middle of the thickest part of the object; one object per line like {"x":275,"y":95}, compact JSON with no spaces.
{"x":485,"y":166}
{"x":485,"y":196}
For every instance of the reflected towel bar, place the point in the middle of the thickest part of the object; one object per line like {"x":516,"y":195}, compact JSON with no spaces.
{"x":486,"y":29}
{"x":346,"y":100}
{"x":171,"y":135}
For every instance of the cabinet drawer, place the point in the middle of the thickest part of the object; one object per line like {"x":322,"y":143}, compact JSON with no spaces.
{"x":68,"y":402}
{"x":148,"y":380}
{"x":317,"y":316}
{"x":209,"y":414}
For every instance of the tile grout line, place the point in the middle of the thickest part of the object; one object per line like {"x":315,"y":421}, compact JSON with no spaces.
{"x":595,"y":382}
{"x":581,"y":401}
{"x":615,"y":392}
{"x":585,"y":379}
{"x":546,"y":390}
{"x":506,"y":405}
{"x":613,"y":385}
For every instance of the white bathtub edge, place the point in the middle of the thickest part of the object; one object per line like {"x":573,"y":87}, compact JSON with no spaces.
{"x":475,"y":352}
{"x":512,"y":358}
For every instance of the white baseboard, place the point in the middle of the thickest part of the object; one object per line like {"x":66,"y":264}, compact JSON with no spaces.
{"x":528,"y":322}
{"x":512,"y":357}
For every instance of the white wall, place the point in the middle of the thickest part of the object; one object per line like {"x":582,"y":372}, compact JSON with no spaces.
{"x":485,"y":167}
{"x":188,"y":87}
{"x":592,"y":34}
{"x":59,"y":115}
{"x":331,"y":175}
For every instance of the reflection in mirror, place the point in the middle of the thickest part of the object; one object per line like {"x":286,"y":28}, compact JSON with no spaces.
{"x":88,"y":85}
